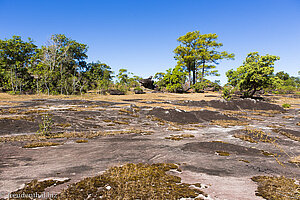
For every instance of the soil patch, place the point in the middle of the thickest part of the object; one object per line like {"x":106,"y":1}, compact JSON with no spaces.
{"x":233,"y":104}
{"x":212,"y":147}
{"x":185,"y":117}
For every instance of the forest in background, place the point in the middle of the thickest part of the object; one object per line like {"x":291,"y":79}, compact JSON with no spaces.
{"x":61,"y":67}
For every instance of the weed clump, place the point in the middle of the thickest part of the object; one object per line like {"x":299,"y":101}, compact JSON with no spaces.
{"x":277,"y":188}
{"x":132,"y":181}
{"x":45,"y":125}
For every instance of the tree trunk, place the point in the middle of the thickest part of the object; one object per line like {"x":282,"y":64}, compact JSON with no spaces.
{"x":202,"y":75}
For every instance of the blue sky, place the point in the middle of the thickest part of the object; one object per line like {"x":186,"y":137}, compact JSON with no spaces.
{"x":140,"y":35}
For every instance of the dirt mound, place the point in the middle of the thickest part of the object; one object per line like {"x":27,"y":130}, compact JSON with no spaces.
{"x":233,"y":104}
{"x":184,"y":117}
{"x":212,"y":147}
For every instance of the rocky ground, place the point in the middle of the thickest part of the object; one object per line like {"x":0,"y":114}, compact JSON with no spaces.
{"x":216,"y":143}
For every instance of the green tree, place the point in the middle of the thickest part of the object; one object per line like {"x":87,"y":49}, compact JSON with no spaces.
{"x":15,"y":59}
{"x":99,"y":75}
{"x":59,"y":64}
{"x":198,"y":51}
{"x":172,"y":80}
{"x":255,"y":73}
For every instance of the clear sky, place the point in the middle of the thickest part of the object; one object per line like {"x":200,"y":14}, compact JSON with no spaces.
{"x":140,"y":35}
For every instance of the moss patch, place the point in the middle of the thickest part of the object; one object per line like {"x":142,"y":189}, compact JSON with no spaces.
{"x":276,"y":188}
{"x":132,"y":181}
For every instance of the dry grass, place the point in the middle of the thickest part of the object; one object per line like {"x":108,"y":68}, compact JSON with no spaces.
{"x":132,"y":181}
{"x":292,"y":137}
{"x":66,"y":125}
{"x":222,"y":153}
{"x":243,"y":160}
{"x":245,"y":138}
{"x":40,"y":144}
{"x":35,"y":187}
{"x":38,"y":137}
{"x":179,"y":137}
{"x":287,"y":117}
{"x":81,"y":141}
{"x":255,"y":135}
{"x":227,"y":123}
{"x":277,"y":188}
{"x":295,"y":160}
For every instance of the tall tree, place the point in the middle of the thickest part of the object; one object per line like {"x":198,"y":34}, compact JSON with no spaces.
{"x":208,"y":56}
{"x":60,"y":63}
{"x":199,"y":51}
{"x":15,"y":58}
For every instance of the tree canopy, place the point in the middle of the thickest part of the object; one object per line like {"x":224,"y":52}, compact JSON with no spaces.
{"x":255,"y":73}
{"x":199,"y":51}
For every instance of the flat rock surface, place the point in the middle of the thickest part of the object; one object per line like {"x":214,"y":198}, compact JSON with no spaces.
{"x":226,"y":177}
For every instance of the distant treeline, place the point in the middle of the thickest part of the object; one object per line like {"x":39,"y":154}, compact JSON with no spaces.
{"x":60,"y":67}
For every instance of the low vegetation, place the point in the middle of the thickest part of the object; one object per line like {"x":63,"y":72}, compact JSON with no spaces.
{"x":277,"y":188}
{"x":227,"y":123}
{"x":133,"y":181}
{"x":179,"y":137}
{"x":41,"y":144}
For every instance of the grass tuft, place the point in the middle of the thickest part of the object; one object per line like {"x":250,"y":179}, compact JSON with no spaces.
{"x":277,"y":188}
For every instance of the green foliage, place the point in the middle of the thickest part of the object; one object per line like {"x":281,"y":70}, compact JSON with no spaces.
{"x":59,"y":66}
{"x":198,"y":87}
{"x":173,"y":80}
{"x":198,"y":52}
{"x":97,"y":76}
{"x":284,"y":83}
{"x":286,"y":105}
{"x":255,"y":73}
{"x":15,"y":59}
{"x":45,"y":125}
{"x":227,"y":93}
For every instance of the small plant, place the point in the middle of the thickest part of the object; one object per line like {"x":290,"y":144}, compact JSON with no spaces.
{"x":286,"y":105}
{"x":45,"y":125}
{"x":138,"y":90}
{"x":227,"y":93}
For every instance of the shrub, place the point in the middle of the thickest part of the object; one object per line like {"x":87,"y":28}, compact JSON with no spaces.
{"x":45,"y":125}
{"x":286,"y":105}
{"x":226,"y":93}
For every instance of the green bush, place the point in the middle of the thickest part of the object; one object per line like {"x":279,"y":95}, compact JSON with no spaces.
{"x":286,"y":105}
{"x":198,"y":87}
{"x":227,"y":93}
